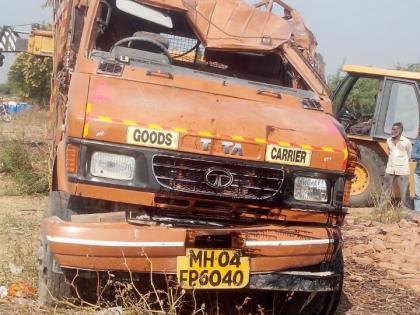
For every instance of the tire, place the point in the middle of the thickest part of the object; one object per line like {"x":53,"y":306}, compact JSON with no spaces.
{"x":368,"y":178}
{"x":332,"y":299}
{"x":321,"y":303}
{"x":52,"y":285}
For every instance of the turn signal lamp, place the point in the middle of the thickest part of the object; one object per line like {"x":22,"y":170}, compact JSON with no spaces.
{"x":72,"y":157}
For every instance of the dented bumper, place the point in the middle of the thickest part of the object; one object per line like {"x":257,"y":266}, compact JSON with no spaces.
{"x":122,"y":246}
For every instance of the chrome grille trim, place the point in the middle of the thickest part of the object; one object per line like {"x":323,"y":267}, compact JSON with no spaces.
{"x":186,"y":174}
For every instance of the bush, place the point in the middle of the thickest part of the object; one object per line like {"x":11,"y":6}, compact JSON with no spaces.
{"x":5,"y":89}
{"x":17,"y":161}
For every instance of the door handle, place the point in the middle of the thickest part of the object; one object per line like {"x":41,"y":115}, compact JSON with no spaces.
{"x":160,"y":74}
{"x":269,"y":93}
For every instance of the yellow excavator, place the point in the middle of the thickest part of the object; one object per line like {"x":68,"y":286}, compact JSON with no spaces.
{"x":395,"y":98}
{"x":38,"y":42}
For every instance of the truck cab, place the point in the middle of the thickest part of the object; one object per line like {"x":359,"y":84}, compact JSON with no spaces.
{"x":390,"y":96}
{"x":194,"y":139}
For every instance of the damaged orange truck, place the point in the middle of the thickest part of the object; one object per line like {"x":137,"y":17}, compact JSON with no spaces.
{"x":193,"y":138}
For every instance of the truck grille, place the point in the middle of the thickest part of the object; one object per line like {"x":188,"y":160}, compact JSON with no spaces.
{"x":189,"y":175}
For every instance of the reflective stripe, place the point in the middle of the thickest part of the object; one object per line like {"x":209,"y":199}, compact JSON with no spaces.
{"x":129,"y":122}
{"x":75,"y":241}
{"x":105,"y":118}
{"x":238,"y":138}
{"x":208,"y":134}
{"x":327,"y":149}
{"x":155,"y":126}
{"x":86,"y":130}
{"x":288,"y":243}
{"x":260,"y":140}
{"x":205,"y":134}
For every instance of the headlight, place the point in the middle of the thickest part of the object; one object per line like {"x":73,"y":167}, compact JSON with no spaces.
{"x":113,"y":166}
{"x":311,"y":189}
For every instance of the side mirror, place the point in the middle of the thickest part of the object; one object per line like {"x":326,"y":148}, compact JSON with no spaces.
{"x":105,"y":16}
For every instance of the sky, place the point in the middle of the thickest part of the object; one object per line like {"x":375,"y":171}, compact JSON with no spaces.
{"x":17,"y":12}
{"x":380,"y":33}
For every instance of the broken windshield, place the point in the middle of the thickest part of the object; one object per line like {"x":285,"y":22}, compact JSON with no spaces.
{"x":166,"y":37}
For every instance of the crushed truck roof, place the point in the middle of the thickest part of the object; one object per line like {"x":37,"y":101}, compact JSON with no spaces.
{"x":234,"y":24}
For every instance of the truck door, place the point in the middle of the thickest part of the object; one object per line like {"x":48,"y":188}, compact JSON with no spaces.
{"x":400,"y":103}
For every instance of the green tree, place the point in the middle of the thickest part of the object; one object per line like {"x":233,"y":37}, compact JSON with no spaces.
{"x":333,"y":80}
{"x":4,"y":89}
{"x":362,"y":98}
{"x":414,"y":67}
{"x":320,"y":64}
{"x":30,"y":77}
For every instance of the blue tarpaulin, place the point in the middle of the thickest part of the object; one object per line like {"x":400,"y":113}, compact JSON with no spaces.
{"x":14,"y":107}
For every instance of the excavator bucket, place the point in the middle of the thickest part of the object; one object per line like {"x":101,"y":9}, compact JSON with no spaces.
{"x":41,"y":43}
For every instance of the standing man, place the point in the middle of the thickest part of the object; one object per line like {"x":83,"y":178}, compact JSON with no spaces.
{"x":416,"y":156}
{"x":398,"y":167}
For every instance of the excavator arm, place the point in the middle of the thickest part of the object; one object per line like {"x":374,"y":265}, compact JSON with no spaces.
{"x":37,"y":42}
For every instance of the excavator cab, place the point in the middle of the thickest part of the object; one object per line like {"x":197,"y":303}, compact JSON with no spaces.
{"x":389,"y":96}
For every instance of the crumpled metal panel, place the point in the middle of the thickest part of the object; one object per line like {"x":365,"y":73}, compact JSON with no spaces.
{"x":235,"y":24}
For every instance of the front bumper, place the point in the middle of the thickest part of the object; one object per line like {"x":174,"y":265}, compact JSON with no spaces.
{"x":121,"y":246}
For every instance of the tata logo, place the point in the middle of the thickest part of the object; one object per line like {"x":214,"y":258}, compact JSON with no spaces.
{"x":230,"y":148}
{"x":218,"y":178}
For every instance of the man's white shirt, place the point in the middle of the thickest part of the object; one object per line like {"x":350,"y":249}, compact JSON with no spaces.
{"x":399,"y":156}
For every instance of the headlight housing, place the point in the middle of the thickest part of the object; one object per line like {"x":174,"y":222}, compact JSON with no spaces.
{"x":311,"y":189}
{"x":113,"y":166}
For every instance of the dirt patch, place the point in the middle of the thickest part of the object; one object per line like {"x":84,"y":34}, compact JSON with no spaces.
{"x":382,"y":265}
{"x":19,"y":219}
{"x":394,"y":248}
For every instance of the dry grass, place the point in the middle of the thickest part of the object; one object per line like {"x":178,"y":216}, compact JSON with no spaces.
{"x":24,"y":154}
{"x":392,"y":213}
{"x":27,"y":126}
{"x":26,"y":165}
{"x":18,"y":248}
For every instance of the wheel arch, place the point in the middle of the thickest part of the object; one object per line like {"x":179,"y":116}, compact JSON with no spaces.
{"x":379,"y":147}
{"x":369,"y":171}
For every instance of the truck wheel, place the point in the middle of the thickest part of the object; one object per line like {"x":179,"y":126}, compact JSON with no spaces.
{"x":368,"y":178}
{"x":321,"y":303}
{"x":52,"y":285}
{"x":332,"y":299}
